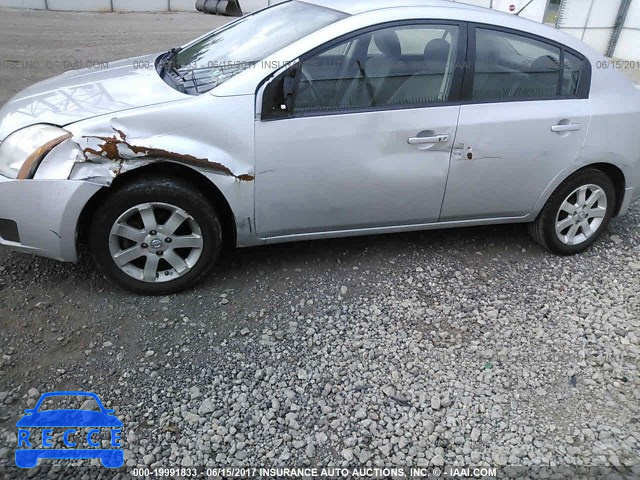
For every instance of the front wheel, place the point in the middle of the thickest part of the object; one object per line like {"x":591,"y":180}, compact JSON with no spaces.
{"x":576,"y":214}
{"x":156,"y":236}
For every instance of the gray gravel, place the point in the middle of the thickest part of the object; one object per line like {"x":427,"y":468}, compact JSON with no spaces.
{"x":459,"y":347}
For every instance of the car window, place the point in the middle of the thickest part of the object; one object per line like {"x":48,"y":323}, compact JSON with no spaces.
{"x":413,"y":41}
{"x":225,"y":52}
{"x":526,"y":47}
{"x":571,"y":74}
{"x":400,"y":66}
{"x":338,"y":50}
{"x":527,"y":69}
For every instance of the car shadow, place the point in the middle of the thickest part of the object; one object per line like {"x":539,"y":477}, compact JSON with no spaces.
{"x":510,"y":242}
{"x":503,"y":240}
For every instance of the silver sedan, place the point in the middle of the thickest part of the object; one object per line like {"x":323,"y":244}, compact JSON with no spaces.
{"x":319,"y":119}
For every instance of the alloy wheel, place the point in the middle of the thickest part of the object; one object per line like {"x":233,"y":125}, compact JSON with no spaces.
{"x":155,"y":242}
{"x":581,"y":215}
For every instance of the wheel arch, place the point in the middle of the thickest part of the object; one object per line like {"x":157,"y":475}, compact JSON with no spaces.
{"x":200,"y":181}
{"x":619,"y":181}
{"x":615,"y":173}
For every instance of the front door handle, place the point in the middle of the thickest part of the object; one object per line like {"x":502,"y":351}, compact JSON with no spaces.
{"x":423,"y":140}
{"x":572,"y":127}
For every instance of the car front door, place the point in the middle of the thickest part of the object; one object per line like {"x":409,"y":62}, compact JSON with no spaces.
{"x":524,"y":122}
{"x":359,"y":133}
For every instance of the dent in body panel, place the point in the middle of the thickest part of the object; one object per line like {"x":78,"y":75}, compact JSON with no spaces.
{"x":101,"y":157}
{"x":513,"y":157}
{"x":120,"y":150}
{"x":202,"y":134}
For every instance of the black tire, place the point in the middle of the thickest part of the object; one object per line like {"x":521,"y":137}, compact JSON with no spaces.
{"x":173,"y":191}
{"x":542,"y":230}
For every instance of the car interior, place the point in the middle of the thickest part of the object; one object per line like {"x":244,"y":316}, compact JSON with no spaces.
{"x":510,"y":66}
{"x":413,"y":65}
{"x":380,"y":69}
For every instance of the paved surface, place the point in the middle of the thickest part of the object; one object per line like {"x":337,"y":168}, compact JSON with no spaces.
{"x":458,"y":347}
{"x":37,"y":45}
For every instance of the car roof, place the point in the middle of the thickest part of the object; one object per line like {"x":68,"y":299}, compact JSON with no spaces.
{"x":354,"y":7}
{"x":454,"y":9}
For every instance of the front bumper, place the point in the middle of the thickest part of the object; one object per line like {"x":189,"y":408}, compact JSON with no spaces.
{"x":41,"y":216}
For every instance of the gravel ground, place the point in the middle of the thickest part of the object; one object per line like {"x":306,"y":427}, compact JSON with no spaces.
{"x":459,"y":347}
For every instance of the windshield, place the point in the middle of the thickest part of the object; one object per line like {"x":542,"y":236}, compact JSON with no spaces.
{"x":240,"y":45}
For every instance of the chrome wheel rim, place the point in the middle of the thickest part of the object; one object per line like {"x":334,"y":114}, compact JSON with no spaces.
{"x":581,"y":215}
{"x":155,"y":242}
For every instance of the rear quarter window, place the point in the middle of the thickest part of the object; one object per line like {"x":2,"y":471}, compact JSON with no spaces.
{"x":573,"y":67}
{"x":518,"y":66}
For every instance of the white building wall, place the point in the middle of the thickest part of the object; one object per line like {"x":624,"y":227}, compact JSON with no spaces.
{"x":628,"y":47}
{"x":592,"y":21}
{"x":600,"y":25}
{"x":535,"y":11}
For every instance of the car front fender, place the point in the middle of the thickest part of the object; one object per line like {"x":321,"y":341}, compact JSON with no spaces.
{"x":211,"y":135}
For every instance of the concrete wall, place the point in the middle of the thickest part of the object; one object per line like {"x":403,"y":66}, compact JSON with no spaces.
{"x":104,"y":5}
{"x":120,"y":5}
{"x":37,"y":4}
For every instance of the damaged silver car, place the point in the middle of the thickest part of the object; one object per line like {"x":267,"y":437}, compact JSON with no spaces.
{"x":317,"y":119}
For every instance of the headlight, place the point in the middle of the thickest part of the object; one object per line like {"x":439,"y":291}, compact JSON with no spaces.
{"x":23,"y":150}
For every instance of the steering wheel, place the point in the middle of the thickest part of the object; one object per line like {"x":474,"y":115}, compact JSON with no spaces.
{"x":306,"y":78}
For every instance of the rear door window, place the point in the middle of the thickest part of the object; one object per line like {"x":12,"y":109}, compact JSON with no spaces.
{"x":513,"y":66}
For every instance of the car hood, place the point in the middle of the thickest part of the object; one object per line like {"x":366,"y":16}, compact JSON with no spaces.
{"x":81,"y":94}
{"x":69,"y":418}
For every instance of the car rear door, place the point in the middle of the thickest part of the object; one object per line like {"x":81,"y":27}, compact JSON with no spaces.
{"x":523,"y":121}
{"x":366,"y":139}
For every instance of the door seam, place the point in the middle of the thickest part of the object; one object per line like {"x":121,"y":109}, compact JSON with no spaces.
{"x":453,"y":144}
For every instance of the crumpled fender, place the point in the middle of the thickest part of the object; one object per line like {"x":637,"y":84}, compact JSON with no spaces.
{"x":212,"y":135}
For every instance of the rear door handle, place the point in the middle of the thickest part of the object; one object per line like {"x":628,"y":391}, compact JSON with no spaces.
{"x":423,"y":140}
{"x":572,"y":127}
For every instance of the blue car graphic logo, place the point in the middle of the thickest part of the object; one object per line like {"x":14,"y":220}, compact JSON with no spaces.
{"x":29,"y":451}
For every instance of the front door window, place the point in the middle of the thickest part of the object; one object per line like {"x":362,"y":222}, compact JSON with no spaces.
{"x":401,"y":66}
{"x":404,"y":66}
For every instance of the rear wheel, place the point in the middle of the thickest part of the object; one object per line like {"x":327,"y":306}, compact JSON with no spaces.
{"x":156,"y":236}
{"x":576,"y":214}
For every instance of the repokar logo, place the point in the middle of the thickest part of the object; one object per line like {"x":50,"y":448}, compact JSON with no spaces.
{"x":79,"y":433}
